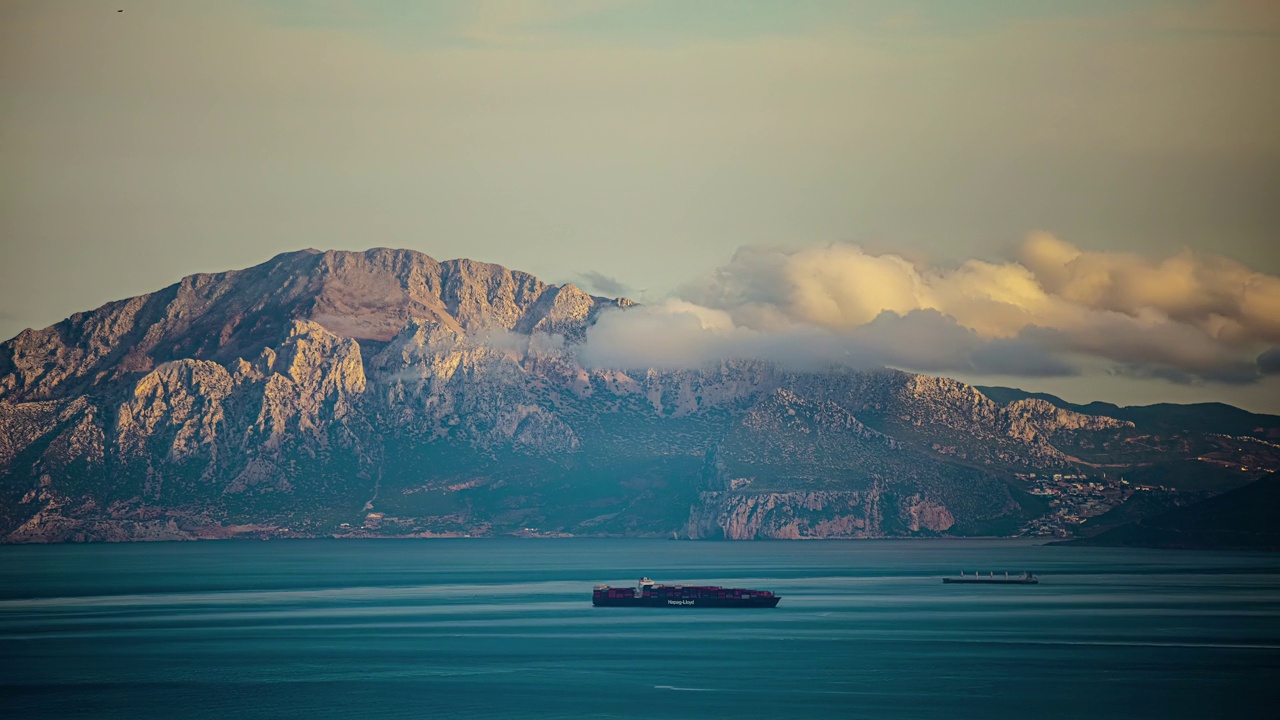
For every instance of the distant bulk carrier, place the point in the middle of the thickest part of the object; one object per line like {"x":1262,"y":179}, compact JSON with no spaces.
{"x":1025,"y":578}
{"x":649,"y":594}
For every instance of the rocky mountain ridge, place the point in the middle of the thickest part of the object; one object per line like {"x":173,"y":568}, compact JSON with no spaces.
{"x":386,"y":393}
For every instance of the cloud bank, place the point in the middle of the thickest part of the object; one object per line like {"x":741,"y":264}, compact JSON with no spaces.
{"x":606,"y":284}
{"x":1052,"y":309}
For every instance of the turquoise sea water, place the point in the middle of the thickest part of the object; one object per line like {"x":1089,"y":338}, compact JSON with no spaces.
{"x":505,"y":629}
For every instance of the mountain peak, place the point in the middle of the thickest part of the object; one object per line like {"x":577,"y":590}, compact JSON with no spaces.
{"x":366,"y":295}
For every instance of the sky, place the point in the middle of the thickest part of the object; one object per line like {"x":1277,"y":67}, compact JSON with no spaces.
{"x":1071,"y":197}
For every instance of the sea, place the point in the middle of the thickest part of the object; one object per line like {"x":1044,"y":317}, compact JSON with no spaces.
{"x":504,"y":628}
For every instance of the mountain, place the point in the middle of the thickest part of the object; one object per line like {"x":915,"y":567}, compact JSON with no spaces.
{"x":385,"y":393}
{"x":1167,"y":417}
{"x":1241,"y":519}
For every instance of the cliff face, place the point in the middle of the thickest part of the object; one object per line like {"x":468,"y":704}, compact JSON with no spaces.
{"x":871,"y":513}
{"x":387,"y":393}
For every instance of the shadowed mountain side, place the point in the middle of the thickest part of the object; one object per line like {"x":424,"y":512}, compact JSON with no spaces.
{"x":1242,"y":519}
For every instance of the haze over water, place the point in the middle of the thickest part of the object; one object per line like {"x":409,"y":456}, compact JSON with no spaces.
{"x":505,"y":628}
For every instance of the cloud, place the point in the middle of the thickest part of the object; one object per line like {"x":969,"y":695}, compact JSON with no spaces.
{"x":1269,"y":361}
{"x":1150,"y":349}
{"x":1054,"y":310}
{"x":676,"y":334}
{"x":922,"y":339}
{"x":1023,"y":359}
{"x":1222,"y":298}
{"x":605,"y":284}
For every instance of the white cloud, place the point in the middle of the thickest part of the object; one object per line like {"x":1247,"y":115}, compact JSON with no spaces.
{"x":1057,"y":310}
{"x":1222,"y":298}
{"x":679,"y":334}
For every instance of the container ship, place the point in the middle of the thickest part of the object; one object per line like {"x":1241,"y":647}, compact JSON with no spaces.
{"x":649,"y":594}
{"x":1025,"y":578}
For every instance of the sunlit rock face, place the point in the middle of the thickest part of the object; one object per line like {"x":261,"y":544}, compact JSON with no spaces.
{"x":384,"y":392}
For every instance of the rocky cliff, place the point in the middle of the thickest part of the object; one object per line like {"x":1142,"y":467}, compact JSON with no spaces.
{"x":386,"y":393}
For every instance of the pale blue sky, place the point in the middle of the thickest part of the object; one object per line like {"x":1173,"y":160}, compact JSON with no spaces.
{"x":646,"y":140}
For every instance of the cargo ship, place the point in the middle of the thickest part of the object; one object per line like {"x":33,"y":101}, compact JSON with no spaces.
{"x":649,"y":594}
{"x":1025,"y":578}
